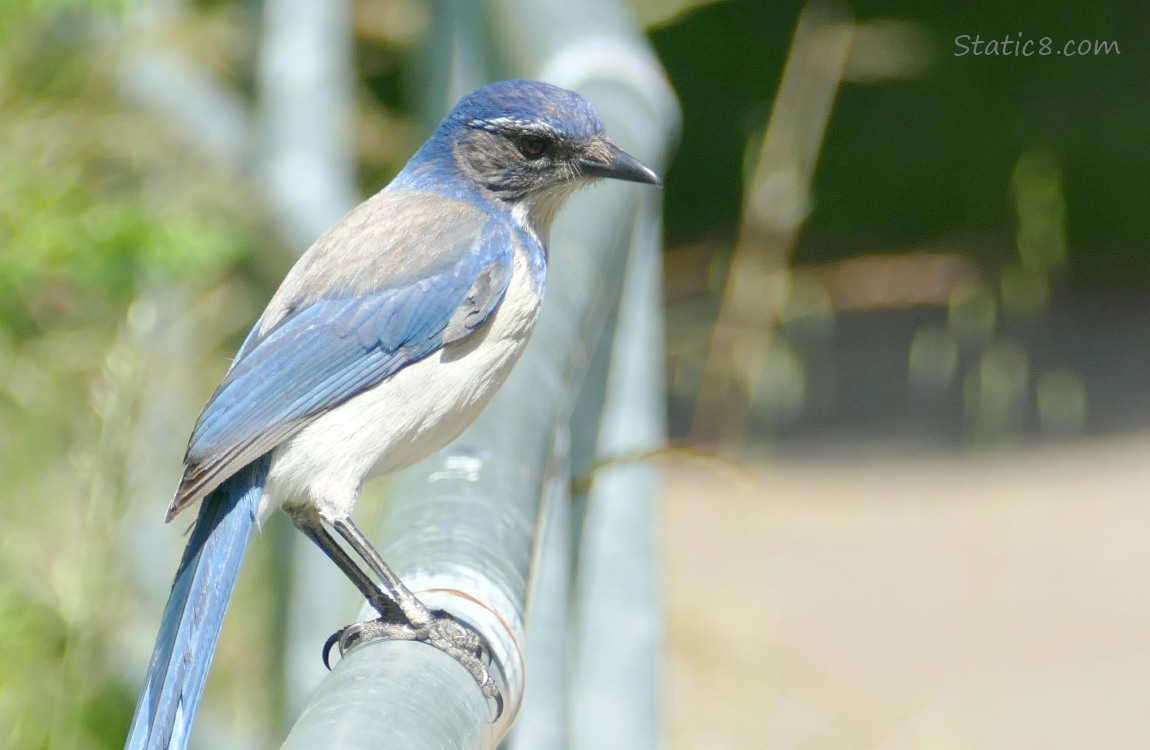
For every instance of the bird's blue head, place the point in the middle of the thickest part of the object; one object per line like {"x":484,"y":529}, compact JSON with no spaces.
{"x":531,"y":105}
{"x":524,"y":143}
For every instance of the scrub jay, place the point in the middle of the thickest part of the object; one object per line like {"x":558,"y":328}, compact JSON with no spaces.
{"x":386,"y":339}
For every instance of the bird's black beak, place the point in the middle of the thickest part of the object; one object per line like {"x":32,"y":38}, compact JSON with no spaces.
{"x":605,"y":159}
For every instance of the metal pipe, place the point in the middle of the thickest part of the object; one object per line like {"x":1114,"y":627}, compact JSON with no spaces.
{"x":616,"y":612}
{"x":543,"y":719}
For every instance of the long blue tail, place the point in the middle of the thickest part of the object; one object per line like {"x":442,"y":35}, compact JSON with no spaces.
{"x":195,"y":613}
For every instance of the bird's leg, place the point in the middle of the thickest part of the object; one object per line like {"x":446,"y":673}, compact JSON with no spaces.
{"x":413,"y":609}
{"x":307,"y":520}
{"x":434,"y":627}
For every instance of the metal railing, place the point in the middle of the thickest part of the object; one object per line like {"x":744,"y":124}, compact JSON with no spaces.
{"x":484,"y":528}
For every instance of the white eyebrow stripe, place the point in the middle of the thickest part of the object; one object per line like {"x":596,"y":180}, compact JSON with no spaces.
{"x":502,"y":124}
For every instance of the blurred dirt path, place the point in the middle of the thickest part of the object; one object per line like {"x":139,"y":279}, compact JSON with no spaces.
{"x":990,"y":601}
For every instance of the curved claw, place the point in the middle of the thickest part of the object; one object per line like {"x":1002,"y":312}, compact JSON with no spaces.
{"x":343,"y":638}
{"x":490,"y":690}
{"x":348,"y":635}
{"x":498,"y":698}
{"x":333,"y":639}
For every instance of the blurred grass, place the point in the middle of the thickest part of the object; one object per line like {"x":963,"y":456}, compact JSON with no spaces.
{"x":99,"y":204}
{"x":97,"y":200}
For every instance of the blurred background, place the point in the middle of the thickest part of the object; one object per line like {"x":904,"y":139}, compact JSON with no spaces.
{"x":907,"y":293}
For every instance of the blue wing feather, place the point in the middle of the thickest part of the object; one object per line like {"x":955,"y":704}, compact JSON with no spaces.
{"x":326,"y":352}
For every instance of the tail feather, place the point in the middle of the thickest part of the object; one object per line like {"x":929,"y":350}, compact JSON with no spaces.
{"x":195,"y":613}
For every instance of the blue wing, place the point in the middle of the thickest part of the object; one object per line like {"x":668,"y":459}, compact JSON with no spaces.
{"x":323,"y":353}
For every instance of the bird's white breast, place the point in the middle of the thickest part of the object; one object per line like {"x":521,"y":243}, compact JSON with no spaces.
{"x":410,"y":415}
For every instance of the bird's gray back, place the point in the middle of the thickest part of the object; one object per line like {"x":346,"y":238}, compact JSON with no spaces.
{"x":396,"y":279}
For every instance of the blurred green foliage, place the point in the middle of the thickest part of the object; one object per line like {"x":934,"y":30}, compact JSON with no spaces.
{"x":909,"y":162}
{"x":89,"y":205}
{"x":98,"y":203}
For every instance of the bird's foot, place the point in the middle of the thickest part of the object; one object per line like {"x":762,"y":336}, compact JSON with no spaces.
{"x":441,"y":631}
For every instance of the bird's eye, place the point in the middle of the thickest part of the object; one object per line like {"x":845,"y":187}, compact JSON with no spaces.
{"x":532,"y":146}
